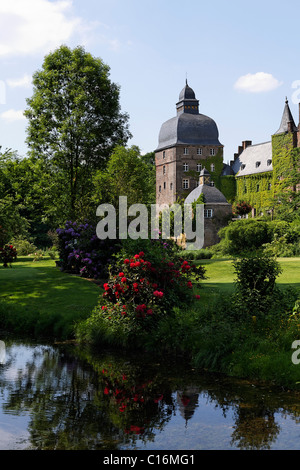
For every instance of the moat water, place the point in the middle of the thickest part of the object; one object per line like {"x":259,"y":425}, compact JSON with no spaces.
{"x":62,"y":397}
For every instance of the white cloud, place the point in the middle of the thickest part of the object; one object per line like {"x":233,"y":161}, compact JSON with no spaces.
{"x":23,"y":82}
{"x":36,"y":26}
{"x":257,"y":82}
{"x":11,"y":115}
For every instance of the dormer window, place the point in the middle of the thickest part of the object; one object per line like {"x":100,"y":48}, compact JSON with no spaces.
{"x":211,"y":152}
{"x":199,"y":151}
{"x":269,"y":162}
{"x":257,"y":164}
{"x":185,"y":151}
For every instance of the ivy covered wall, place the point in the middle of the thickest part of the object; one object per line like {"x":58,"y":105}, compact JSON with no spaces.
{"x":257,"y":190}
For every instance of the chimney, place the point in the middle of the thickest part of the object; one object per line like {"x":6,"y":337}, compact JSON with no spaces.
{"x":246,"y":143}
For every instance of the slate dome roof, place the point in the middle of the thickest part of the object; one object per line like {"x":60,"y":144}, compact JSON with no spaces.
{"x":189,"y":127}
{"x":187,"y":93}
{"x":211,"y":195}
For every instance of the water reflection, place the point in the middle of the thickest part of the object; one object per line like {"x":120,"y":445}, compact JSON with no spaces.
{"x":70,"y":398}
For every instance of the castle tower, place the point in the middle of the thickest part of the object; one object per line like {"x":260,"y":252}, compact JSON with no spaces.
{"x":187,"y":143}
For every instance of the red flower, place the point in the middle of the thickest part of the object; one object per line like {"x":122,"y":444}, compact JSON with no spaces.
{"x":121,"y":274}
{"x":126,"y":261}
{"x":149,"y":311}
{"x":157,"y":293}
{"x":136,"y":256}
{"x":124,"y":279}
{"x":197,"y":296}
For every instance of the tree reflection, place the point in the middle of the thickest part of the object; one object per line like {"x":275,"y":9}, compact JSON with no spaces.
{"x":77,"y":399}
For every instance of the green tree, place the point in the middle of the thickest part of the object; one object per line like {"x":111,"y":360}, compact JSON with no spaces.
{"x":75,"y":121}
{"x":12,"y":221}
{"x":127,"y":174}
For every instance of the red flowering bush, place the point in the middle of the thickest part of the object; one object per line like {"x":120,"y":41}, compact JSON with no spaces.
{"x":241,"y":208}
{"x":138,"y":293}
{"x":7,"y":255}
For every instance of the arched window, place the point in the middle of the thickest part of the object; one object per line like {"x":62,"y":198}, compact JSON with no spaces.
{"x":212,"y":167}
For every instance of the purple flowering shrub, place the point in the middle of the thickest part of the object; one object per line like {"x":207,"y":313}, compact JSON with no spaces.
{"x":82,"y":252}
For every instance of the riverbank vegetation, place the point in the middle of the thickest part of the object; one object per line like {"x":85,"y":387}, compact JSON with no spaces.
{"x":219,"y":331}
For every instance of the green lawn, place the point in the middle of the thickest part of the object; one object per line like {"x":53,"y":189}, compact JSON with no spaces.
{"x":39,"y":292}
{"x":37,"y":298}
{"x":221,"y":276}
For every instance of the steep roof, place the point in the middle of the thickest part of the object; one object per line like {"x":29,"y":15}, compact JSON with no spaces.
{"x":286,"y":119}
{"x":254,"y":159}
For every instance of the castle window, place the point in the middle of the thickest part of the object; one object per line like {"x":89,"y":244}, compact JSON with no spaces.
{"x":243,"y":166}
{"x":208,"y":213}
{"x":159,"y":189}
{"x":269,"y":162}
{"x":171,"y":186}
{"x":185,"y":184}
{"x":199,"y":151}
{"x":257,"y":188}
{"x":199,"y":167}
{"x":212,"y":183}
{"x":185,"y":167}
{"x":164,"y":185}
{"x":185,"y":151}
{"x":211,"y":152}
{"x":164,"y":170}
{"x":212,"y":167}
{"x":257,"y":164}
{"x":164,"y":154}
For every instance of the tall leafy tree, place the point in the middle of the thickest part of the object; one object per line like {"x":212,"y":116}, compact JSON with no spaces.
{"x":129,"y":174}
{"x":74,"y":120}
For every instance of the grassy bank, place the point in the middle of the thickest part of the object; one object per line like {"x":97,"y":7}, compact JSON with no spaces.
{"x":37,"y":299}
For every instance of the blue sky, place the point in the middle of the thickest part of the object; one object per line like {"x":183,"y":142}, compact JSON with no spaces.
{"x":241,"y":58}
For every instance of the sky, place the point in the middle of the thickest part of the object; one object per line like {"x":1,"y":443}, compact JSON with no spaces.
{"x":241,"y":59}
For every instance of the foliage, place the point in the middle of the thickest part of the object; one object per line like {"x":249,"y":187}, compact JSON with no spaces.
{"x":287,"y":198}
{"x":8,"y":254}
{"x":228,"y":187}
{"x":129,"y":174}
{"x":23,"y":246}
{"x":255,"y":283}
{"x":139,"y":294}
{"x":244,"y":236}
{"x":74,"y":121}
{"x":82,"y":252}
{"x":241,"y":208}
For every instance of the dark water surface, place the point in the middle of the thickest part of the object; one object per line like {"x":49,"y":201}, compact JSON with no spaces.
{"x":67,"y":398}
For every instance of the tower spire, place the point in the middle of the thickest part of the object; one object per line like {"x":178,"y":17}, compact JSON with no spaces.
{"x":287,"y":121}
